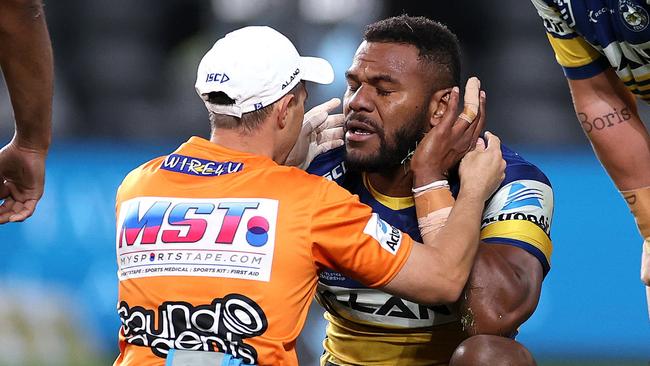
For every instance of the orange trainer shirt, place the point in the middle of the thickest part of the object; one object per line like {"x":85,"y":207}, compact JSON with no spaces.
{"x":218,"y":250}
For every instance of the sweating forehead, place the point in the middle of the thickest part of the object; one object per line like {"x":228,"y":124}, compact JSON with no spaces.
{"x":397,"y":59}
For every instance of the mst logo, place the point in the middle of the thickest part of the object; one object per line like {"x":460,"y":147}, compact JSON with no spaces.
{"x":196,"y":237}
{"x":222,"y":326}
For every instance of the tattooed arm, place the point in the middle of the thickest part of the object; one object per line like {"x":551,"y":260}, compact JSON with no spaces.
{"x":608,"y":114}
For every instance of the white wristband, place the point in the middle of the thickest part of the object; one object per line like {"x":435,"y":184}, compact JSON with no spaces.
{"x":433,"y":185}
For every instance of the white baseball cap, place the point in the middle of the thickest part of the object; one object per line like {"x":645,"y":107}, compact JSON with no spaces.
{"x":255,"y":66}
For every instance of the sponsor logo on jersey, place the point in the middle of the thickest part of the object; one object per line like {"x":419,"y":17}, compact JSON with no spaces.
{"x":556,"y":16}
{"x":161,"y":236}
{"x":375,"y":307}
{"x":337,"y":172}
{"x":634,"y":16}
{"x":388,"y":236}
{"x":566,"y":12}
{"x":199,"y":167}
{"x":520,"y":195}
{"x":593,"y":15}
{"x":521,"y":200}
{"x":222,"y":326}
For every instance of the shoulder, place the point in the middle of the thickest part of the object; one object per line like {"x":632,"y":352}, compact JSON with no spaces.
{"x":517,"y":168}
{"x":137,"y":174}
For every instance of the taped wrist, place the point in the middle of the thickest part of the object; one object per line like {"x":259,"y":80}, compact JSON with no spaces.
{"x":638,"y":200}
{"x":433,"y":208}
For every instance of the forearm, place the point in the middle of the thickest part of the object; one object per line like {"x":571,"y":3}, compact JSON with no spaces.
{"x":26,"y":62}
{"x":455,"y":244}
{"x":501,"y":293}
{"x":607,"y":113}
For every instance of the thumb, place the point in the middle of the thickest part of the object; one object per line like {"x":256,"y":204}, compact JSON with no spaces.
{"x":493,"y":142}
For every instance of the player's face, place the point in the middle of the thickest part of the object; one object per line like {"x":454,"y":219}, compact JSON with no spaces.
{"x":385,"y":105}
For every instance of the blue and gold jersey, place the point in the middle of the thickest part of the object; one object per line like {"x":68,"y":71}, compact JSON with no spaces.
{"x":369,"y":327}
{"x":589,"y":36}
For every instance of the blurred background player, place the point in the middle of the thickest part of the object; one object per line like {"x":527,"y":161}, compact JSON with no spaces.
{"x":602,"y":47}
{"x":398,"y":88}
{"x":26,"y":62}
{"x":218,"y":245}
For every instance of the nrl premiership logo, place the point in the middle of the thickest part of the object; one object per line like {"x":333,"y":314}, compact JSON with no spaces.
{"x":634,"y":16}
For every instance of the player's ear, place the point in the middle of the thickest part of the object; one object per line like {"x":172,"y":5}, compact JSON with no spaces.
{"x":438,"y":105}
{"x":282,"y":109}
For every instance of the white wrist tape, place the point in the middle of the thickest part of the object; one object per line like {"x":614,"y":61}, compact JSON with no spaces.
{"x":433,"y":185}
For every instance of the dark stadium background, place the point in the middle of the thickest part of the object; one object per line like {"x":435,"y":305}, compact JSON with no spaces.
{"x":124,"y":94}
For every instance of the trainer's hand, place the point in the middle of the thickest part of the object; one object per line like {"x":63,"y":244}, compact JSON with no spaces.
{"x":482,"y":169}
{"x":22,"y":175}
{"x":445,"y":144}
{"x":320,"y":133}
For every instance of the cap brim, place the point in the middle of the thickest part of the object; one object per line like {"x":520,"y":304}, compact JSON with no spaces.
{"x":317,"y":70}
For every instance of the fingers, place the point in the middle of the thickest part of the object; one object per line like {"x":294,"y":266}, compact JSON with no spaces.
{"x":330,"y":134}
{"x":450,"y":115}
{"x":330,"y":104}
{"x":22,"y":211}
{"x":465,"y":125}
{"x":318,"y":115}
{"x":6,"y":210}
{"x":324,"y":107}
{"x":493,"y":142}
{"x":329,"y":145}
{"x":332,"y":122}
{"x":480,"y":122}
{"x":471,"y":99}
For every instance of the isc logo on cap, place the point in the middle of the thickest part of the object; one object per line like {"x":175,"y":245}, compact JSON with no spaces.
{"x":215,"y":76}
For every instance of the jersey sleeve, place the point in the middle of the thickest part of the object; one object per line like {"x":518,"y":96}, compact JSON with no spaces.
{"x":349,"y":238}
{"x":520,"y":213}
{"x":578,"y":58}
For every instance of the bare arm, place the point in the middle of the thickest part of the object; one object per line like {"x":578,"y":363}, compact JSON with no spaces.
{"x":502,"y":291}
{"x":436,"y":272}
{"x":26,"y":62}
{"x":608,"y":114}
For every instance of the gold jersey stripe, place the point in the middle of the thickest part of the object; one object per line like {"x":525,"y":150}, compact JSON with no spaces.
{"x":521,"y":230}
{"x":394,"y":203}
{"x":573,"y":52}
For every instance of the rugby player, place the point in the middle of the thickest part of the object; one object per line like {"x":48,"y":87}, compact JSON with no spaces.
{"x":602,"y":47}
{"x":26,"y":63}
{"x":397,"y":91}
{"x":219,"y":245}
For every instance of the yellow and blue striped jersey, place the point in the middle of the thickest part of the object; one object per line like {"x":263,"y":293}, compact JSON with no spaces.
{"x":369,"y":327}
{"x":589,"y":36}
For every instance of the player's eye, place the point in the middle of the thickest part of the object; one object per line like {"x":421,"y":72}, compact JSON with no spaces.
{"x":383,"y":92}
{"x":352,"y":87}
